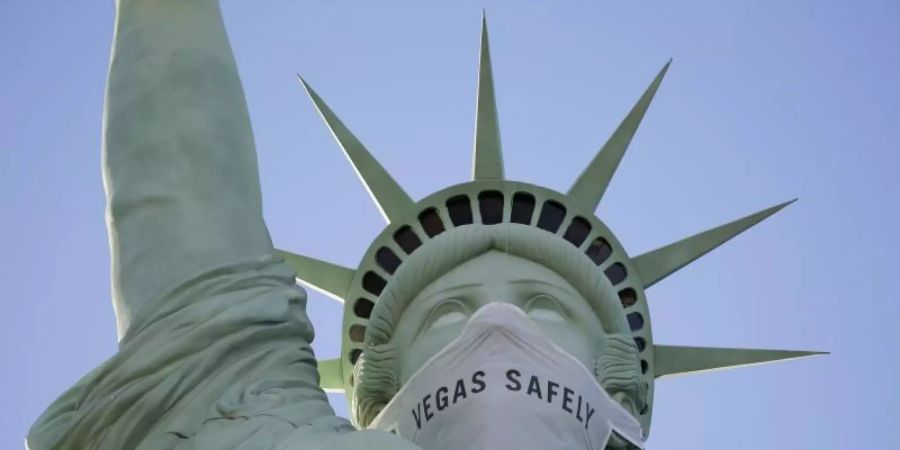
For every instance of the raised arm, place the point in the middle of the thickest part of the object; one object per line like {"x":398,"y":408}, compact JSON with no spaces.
{"x":179,"y":161}
{"x":214,"y":338}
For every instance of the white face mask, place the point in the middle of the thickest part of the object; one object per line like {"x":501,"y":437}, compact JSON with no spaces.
{"x":502,"y":384}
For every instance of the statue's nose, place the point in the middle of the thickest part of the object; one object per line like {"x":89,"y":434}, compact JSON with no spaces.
{"x":496,"y":310}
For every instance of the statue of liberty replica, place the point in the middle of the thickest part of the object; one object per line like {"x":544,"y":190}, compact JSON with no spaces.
{"x":491,"y":314}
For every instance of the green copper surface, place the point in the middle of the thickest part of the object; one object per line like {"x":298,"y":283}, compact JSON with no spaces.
{"x":590,"y":186}
{"x":440,"y":310}
{"x":432,"y":254}
{"x":330,"y":279}
{"x":578,"y":205}
{"x":330,"y":378}
{"x":214,"y":337}
{"x":673,"y":360}
{"x":655,"y":265}
{"x":214,"y":348}
{"x":487,"y":162}
{"x":391,"y":200}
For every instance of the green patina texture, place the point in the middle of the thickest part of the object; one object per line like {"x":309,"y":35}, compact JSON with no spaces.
{"x":214,"y":340}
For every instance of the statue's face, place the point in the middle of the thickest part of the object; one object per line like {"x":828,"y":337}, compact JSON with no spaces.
{"x":438,"y":313}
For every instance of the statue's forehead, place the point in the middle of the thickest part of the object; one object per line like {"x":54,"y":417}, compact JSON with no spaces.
{"x":494,"y":270}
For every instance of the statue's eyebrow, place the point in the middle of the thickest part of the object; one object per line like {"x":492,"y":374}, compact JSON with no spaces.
{"x":543,"y":283}
{"x":555,"y":287}
{"x":427,"y":320}
{"x":449,"y":290}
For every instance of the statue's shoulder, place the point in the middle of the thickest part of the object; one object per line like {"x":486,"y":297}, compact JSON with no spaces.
{"x":52,"y":427}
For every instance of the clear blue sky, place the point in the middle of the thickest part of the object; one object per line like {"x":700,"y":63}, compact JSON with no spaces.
{"x":766,"y":101}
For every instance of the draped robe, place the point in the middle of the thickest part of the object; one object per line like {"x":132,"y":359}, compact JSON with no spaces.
{"x":214,"y":341}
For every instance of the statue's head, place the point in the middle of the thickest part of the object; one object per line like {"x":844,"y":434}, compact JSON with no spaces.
{"x":489,"y":240}
{"x":432,"y":295}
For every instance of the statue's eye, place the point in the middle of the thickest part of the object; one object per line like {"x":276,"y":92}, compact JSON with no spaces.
{"x":447,"y":313}
{"x":546,"y":308}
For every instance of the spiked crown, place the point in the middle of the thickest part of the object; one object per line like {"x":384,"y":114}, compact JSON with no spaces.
{"x":489,"y":199}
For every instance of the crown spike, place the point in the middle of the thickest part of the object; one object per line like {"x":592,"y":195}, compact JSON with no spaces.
{"x":590,"y":186}
{"x":327,"y":278}
{"x":655,"y":265}
{"x":675,"y":360}
{"x":330,"y":377}
{"x":487,"y":161}
{"x":390,"y":198}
